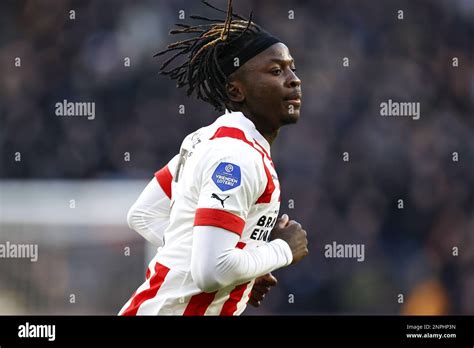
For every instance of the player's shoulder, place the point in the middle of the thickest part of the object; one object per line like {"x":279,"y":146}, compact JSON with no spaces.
{"x":242,"y":148}
{"x":214,"y":152}
{"x":215,"y":141}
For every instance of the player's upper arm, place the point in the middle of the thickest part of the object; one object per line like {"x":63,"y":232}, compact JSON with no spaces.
{"x":164,"y":176}
{"x":230,"y":180}
{"x":149,"y":215}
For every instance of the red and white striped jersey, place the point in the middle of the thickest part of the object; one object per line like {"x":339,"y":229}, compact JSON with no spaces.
{"x":223,"y":176}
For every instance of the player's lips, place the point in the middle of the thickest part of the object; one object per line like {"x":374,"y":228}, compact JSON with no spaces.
{"x":294,"y":98}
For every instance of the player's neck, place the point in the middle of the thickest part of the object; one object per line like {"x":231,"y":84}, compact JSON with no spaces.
{"x":270,"y":137}
{"x":269,"y":134}
{"x":265,"y":130}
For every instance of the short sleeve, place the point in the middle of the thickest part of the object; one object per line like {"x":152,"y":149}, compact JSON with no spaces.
{"x":230,"y":183}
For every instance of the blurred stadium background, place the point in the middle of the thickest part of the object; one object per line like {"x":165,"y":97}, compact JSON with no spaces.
{"x":82,"y":250}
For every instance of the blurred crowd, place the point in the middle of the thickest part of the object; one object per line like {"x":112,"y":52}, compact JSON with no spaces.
{"x":421,"y":247}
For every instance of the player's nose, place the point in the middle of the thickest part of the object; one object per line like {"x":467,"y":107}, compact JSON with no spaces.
{"x":294,"y":81}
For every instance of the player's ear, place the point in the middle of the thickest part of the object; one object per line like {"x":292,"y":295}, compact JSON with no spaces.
{"x":235,"y":91}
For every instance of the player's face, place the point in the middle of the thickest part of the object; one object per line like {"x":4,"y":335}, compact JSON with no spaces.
{"x":271,"y":89}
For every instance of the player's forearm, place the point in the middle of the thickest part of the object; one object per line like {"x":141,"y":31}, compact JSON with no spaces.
{"x":239,"y":266}
{"x":149,"y":227}
{"x":216,"y":263}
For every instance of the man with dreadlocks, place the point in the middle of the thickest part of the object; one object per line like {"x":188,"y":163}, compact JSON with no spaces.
{"x":212,"y":211}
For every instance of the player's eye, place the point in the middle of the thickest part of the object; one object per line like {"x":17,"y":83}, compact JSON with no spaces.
{"x":276,"y":71}
{"x":293,"y":69}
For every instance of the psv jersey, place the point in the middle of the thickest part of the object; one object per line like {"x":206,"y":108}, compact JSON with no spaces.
{"x":223,"y":176}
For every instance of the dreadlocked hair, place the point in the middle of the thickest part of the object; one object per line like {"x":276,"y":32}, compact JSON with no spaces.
{"x":201,"y":72}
